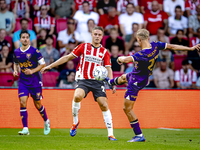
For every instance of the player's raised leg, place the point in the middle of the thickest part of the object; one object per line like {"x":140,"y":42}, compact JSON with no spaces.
{"x":128,"y":109}
{"x":24,"y":115}
{"x":116,"y":81}
{"x":102,"y":101}
{"x":79,"y":94}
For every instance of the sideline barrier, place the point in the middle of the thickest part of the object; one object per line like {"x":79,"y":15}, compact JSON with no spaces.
{"x":154,"y":109}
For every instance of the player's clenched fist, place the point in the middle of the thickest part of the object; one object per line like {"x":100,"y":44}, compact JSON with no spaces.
{"x":15,"y":73}
{"x":45,"y":69}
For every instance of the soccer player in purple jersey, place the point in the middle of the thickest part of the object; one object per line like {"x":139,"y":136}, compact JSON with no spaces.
{"x":144,"y":62}
{"x":30,"y":61}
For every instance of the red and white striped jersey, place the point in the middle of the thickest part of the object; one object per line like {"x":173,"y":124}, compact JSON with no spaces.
{"x":45,"y":23}
{"x":189,"y":5}
{"x":21,"y":8}
{"x":40,"y":3}
{"x":194,"y":41}
{"x":90,"y":57}
{"x":185,"y":79}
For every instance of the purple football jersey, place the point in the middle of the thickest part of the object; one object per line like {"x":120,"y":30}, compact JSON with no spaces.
{"x":145,"y":61}
{"x":28,"y":59}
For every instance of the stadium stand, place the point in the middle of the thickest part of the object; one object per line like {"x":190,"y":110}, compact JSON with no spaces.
{"x":50,"y":79}
{"x":18,"y":26}
{"x":61,"y":24}
{"x":6,"y":79}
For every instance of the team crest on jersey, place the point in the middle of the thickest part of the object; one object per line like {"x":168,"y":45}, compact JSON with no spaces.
{"x":37,"y":51}
{"x":101,"y":54}
{"x":28,"y":56}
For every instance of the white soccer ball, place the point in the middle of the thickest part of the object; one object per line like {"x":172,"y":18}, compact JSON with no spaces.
{"x":100,"y":73}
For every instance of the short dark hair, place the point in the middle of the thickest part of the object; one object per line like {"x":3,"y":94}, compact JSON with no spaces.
{"x":90,"y":20}
{"x":161,"y":28}
{"x":23,"y":32}
{"x":70,"y":18}
{"x":135,"y":24}
{"x":98,"y":28}
{"x":23,"y":19}
{"x":86,"y":2}
{"x":5,"y":46}
{"x":179,"y":31}
{"x":185,"y":62}
{"x":49,"y":36}
{"x":178,"y":7}
{"x":130,"y":4}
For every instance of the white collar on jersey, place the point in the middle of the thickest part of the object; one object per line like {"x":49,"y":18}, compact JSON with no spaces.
{"x":25,"y":49}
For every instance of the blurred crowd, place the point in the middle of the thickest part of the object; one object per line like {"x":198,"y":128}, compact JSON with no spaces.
{"x":56,"y":27}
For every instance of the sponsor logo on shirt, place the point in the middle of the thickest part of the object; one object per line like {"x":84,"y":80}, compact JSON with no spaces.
{"x":93,"y":59}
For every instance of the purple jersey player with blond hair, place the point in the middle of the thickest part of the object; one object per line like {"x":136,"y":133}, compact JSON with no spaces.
{"x":30,"y":61}
{"x":144,"y":62}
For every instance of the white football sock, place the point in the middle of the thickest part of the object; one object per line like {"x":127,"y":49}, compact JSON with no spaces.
{"x":75,"y":109}
{"x":25,"y":128}
{"x":108,"y":121}
{"x":47,"y":121}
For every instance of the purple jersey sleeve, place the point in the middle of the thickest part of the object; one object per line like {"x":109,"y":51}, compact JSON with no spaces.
{"x":160,"y":45}
{"x":38,"y":55}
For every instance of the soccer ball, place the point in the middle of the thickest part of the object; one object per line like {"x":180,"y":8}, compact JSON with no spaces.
{"x":100,"y":73}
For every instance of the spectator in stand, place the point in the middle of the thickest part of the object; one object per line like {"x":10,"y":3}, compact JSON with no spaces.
{"x":8,"y":2}
{"x":195,"y":40}
{"x":194,"y":60}
{"x":110,"y":20}
{"x":177,"y":22}
{"x":185,"y":78}
{"x":93,"y":5}
{"x":170,"y":5}
{"x":160,"y":36}
{"x":102,"y":6}
{"x":190,"y":7}
{"x":69,"y":66}
{"x":135,"y":48}
{"x":179,"y":40}
{"x":41,"y":39}
{"x":86,"y":36}
{"x":69,"y":81}
{"x":130,"y":39}
{"x":121,"y":6}
{"x":163,"y":76}
{"x":194,"y":22}
{"x":114,"y":40}
{"x":155,"y":19}
{"x":37,"y":4}
{"x":146,"y":5}
{"x":21,"y":8}
{"x":2,"y":39}
{"x":65,"y":35}
{"x":16,"y":35}
{"x":114,"y":55}
{"x":49,"y":53}
{"x":7,"y":18}
{"x":126,"y":20}
{"x":62,"y":8}
{"x":82,"y":17}
{"x":6,"y":60}
{"x":44,"y":21}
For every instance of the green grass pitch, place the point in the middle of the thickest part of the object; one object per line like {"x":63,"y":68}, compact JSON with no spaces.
{"x":89,"y":139}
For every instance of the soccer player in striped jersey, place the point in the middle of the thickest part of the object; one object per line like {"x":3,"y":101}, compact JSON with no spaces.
{"x":30,"y":61}
{"x":91,"y":55}
{"x":144,"y":62}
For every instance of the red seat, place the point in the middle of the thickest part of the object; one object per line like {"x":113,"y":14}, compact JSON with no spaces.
{"x":54,"y":40}
{"x":118,"y":74}
{"x":50,"y":79}
{"x":6,"y":79}
{"x":18,"y":25}
{"x":9,"y":39}
{"x":61,"y":24}
{"x":178,"y":61}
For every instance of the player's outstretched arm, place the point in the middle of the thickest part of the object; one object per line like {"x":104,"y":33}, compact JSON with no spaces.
{"x":124,"y":59}
{"x":183,"y":48}
{"x":60,"y":61}
{"x":110,"y":75}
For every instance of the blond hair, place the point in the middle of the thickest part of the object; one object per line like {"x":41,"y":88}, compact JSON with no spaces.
{"x":143,"y":34}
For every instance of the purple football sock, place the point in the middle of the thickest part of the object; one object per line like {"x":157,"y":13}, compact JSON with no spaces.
{"x":43,"y":113}
{"x":136,"y":127}
{"x":24,"y":116}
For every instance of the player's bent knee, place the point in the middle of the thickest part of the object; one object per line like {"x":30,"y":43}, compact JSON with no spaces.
{"x":37,"y":104}
{"x":78,"y":98}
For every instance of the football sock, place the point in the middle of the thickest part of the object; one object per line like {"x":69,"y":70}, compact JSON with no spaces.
{"x":75,"y":110}
{"x":24,"y":116}
{"x":136,"y":127}
{"x":108,"y":121}
{"x":43,"y":113}
{"x":114,"y":81}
